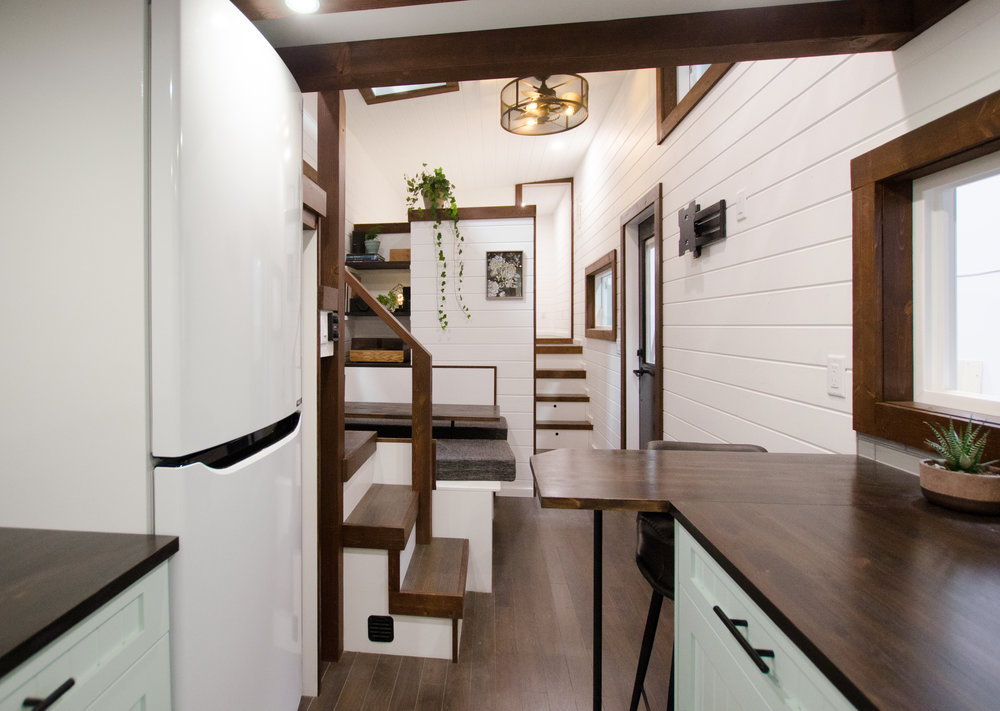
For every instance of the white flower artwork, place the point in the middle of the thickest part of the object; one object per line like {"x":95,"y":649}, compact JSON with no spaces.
{"x":504,"y":275}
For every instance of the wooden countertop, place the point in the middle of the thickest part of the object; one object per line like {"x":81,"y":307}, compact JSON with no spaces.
{"x":51,"y":580}
{"x":894,"y":599}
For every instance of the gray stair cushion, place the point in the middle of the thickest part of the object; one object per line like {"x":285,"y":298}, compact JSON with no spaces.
{"x":475,"y":460}
{"x":443,"y":429}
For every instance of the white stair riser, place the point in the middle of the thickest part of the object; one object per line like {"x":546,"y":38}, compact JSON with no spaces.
{"x":468,"y":513}
{"x":558,"y":360}
{"x":562,"y":439}
{"x":549,"y":411}
{"x":366,"y":592}
{"x":553,"y":386}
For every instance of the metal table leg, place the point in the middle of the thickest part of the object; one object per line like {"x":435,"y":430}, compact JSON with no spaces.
{"x":598,"y":593}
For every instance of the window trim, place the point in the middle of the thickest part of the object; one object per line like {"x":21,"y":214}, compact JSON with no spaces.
{"x":882,"y":187}
{"x":669,"y":111}
{"x":592,"y":331}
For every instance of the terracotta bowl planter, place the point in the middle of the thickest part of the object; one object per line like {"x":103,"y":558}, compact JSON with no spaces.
{"x":972,"y":493}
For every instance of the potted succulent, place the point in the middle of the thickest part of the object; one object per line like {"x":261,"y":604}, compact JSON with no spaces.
{"x":960,"y":479}
{"x":435,"y":192}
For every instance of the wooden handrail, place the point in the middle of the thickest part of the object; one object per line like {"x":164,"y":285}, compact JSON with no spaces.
{"x":422,"y":479}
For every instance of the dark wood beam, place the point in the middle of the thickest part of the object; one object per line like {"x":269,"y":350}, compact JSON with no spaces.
{"x":813,"y":29}
{"x":273,"y":9}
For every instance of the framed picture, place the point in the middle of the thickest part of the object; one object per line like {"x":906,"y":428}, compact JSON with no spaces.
{"x":504,"y":275}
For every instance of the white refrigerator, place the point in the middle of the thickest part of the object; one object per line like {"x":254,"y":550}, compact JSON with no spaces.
{"x":225,"y":200}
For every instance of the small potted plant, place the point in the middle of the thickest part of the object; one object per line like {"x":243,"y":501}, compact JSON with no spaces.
{"x":371,"y":240}
{"x":960,"y":479}
{"x":436,"y":193}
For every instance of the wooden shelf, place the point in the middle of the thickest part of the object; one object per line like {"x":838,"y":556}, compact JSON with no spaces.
{"x":379,"y":265}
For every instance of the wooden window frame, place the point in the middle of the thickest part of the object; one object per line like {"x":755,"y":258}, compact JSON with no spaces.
{"x":608,"y":260}
{"x":882,"y":186}
{"x":669,"y":111}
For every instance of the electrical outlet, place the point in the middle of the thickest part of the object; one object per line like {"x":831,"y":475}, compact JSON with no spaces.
{"x":835,"y":376}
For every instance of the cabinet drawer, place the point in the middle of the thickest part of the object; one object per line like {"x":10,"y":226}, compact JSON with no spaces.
{"x":96,"y":651}
{"x":562,"y":439}
{"x":548,"y":411}
{"x":146,"y":684}
{"x":792,"y":680}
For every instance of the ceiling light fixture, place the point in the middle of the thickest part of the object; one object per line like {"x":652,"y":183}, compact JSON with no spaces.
{"x":537,"y":106}
{"x":303,"y":6}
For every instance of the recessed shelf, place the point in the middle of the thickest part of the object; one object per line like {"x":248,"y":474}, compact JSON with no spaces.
{"x":379,"y":265}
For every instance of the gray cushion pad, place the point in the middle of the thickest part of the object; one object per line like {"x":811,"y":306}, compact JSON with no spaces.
{"x":475,"y":460}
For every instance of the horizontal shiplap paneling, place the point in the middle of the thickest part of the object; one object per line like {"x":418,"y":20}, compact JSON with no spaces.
{"x":748,"y":326}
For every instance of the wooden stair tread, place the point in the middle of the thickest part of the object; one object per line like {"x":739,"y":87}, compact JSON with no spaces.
{"x":567,"y":373}
{"x":382,"y":519}
{"x":541,"y":341}
{"x":359,"y":446}
{"x":434,"y":585}
{"x":557,"y":349}
{"x":564,"y":425}
{"x":562,"y":398}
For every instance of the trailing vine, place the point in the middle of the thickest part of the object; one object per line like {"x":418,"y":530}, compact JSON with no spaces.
{"x":436,"y":190}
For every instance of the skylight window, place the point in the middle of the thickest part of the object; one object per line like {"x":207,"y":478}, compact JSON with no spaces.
{"x":381,"y":94}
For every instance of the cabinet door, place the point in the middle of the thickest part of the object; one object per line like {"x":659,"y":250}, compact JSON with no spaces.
{"x":145,"y":686}
{"x":708,"y":676}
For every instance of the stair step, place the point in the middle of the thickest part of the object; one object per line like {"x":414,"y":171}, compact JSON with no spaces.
{"x":359,"y":446}
{"x":562,"y":398}
{"x":564,"y":425}
{"x":542,"y":451}
{"x":434,"y":585}
{"x":556,"y":349}
{"x":382,"y":519}
{"x":552,"y":341}
{"x":564,"y":374}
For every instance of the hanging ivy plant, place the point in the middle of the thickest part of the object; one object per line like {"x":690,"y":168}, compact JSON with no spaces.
{"x":435,"y":192}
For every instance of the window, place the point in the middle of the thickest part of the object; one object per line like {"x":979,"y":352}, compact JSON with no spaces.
{"x":886,"y":402}
{"x":601,"y":285}
{"x":956,"y":287}
{"x":382,"y":94}
{"x":679,"y":89}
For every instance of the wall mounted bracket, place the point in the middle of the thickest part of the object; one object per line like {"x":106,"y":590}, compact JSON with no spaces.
{"x":700,"y":227}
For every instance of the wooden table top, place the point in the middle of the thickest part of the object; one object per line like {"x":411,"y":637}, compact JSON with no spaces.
{"x":51,"y":580}
{"x":894,"y":599}
{"x":403,"y":410}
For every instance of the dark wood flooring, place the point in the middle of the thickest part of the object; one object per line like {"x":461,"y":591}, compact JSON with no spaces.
{"x":528,"y":645}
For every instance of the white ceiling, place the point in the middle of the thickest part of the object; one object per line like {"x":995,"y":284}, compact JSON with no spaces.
{"x":470,"y":15}
{"x":460,"y":132}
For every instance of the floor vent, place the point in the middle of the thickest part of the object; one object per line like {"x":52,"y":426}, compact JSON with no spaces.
{"x":380,"y":628}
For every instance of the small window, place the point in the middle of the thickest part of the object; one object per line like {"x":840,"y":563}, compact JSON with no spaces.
{"x":382,"y":94}
{"x":687,"y":76}
{"x":602,"y":298}
{"x":956,"y":287}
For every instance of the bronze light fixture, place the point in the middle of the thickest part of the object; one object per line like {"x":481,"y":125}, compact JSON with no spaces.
{"x":538,"y":106}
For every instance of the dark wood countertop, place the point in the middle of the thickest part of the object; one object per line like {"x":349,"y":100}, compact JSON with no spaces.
{"x":51,"y":580}
{"x":894,"y":599}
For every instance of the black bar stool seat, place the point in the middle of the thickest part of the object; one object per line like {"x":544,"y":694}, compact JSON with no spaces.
{"x":654,"y":555}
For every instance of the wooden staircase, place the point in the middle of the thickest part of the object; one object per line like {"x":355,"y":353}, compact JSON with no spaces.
{"x":393,"y":565}
{"x":561,"y":397}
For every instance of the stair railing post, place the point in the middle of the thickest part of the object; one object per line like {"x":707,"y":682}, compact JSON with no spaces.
{"x":422,"y":444}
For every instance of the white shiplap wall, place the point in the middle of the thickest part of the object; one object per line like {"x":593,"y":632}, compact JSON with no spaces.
{"x":499,"y":332}
{"x":749,"y":325}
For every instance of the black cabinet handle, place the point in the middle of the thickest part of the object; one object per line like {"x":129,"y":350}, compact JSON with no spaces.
{"x":755,"y":654}
{"x":42,"y":704}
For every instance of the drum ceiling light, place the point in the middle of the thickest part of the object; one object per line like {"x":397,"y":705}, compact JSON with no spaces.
{"x":538,"y":106}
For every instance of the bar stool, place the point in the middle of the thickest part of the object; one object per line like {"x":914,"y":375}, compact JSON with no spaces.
{"x":654,"y":554}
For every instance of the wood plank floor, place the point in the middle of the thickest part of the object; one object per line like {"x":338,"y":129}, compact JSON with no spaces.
{"x":526,"y":647}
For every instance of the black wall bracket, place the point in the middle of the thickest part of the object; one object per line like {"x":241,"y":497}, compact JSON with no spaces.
{"x":700,"y":227}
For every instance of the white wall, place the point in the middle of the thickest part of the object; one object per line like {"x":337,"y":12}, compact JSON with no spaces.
{"x":499,"y":332}
{"x":73,"y":435}
{"x":749,"y":325}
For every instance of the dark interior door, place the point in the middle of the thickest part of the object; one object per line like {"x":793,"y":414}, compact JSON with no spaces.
{"x":646,"y":353}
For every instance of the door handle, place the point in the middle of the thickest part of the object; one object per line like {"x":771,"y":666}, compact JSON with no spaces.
{"x":642,"y":371}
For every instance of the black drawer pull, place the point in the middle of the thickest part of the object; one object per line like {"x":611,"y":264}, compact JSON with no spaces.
{"x":755,"y":654}
{"x":42,"y":704}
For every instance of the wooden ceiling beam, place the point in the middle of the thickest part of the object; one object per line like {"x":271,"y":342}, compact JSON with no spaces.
{"x":274,"y":9}
{"x":813,"y":29}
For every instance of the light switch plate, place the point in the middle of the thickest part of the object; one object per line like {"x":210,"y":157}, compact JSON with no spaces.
{"x":741,"y":204}
{"x":835,"y":376}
